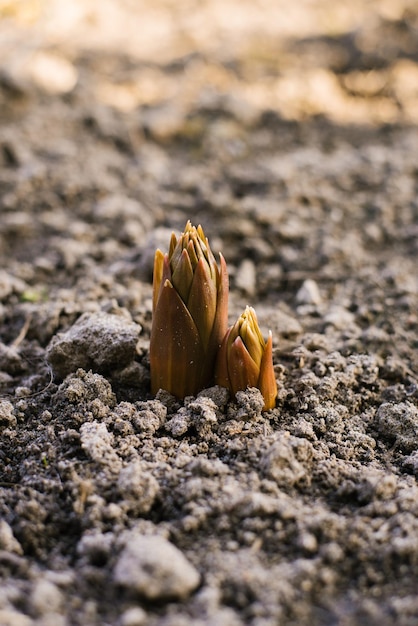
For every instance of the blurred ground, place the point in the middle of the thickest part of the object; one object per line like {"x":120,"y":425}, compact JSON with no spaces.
{"x":289,"y":131}
{"x":352,"y":63}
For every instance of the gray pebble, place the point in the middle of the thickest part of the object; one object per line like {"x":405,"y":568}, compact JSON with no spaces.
{"x":245,"y":277}
{"x":308,"y":293}
{"x":152,"y":567}
{"x":7,"y":540}
{"x":399,"y":422}
{"x":134,"y":616}
{"x":97,"y":341}
{"x":46,"y":597}
{"x":9,"y":617}
{"x":7,"y":416}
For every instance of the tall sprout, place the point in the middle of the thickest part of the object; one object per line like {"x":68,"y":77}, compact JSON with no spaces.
{"x":190,"y":314}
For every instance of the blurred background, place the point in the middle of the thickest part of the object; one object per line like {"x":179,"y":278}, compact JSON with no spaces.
{"x":353,"y":62}
{"x":288,"y":129}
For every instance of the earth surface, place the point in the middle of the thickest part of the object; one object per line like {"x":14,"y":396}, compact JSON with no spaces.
{"x":289,"y":132}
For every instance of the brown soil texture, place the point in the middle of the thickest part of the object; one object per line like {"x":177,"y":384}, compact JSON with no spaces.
{"x":289,"y":131}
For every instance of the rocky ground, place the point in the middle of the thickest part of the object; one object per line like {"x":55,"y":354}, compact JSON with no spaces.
{"x":290,"y":133}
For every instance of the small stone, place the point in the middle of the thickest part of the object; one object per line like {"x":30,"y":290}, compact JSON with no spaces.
{"x":153,"y":568}
{"x":245,"y":278}
{"x":22,"y":392}
{"x":399,"y":423}
{"x":7,"y":416}
{"x":13,"y":618}
{"x":8,"y":541}
{"x":133,"y":617}
{"x":308,"y":293}
{"x":52,"y":73}
{"x":97,"y":341}
{"x":308,"y":543}
{"x":46,"y":597}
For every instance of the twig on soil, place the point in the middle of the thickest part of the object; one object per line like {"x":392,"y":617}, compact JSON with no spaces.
{"x":23,"y":332}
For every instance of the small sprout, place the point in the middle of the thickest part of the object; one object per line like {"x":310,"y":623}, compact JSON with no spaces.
{"x":33,"y":295}
{"x":190,"y":300}
{"x":246,"y":360}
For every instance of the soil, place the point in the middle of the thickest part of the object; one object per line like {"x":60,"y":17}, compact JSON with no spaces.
{"x":289,"y":131}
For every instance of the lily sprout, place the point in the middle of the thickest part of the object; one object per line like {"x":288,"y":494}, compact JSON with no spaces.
{"x":190,"y":314}
{"x":246,"y":360}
